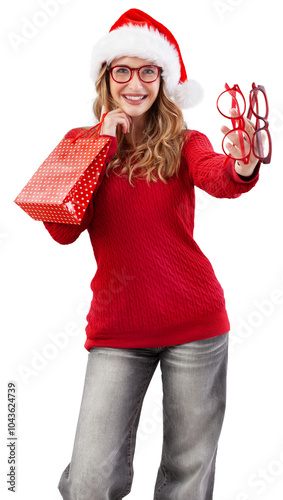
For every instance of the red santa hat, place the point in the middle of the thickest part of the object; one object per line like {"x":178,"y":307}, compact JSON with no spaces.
{"x":136,"y":34}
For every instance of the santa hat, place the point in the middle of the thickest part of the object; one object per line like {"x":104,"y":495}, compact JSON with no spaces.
{"x":136,"y":34}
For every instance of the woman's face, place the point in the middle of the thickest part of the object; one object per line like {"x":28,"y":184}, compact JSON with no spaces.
{"x":134,"y":97}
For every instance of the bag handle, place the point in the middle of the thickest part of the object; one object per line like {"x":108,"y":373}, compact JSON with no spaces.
{"x":96,"y":132}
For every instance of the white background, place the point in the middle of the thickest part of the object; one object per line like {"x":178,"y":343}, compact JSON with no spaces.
{"x":45,"y":287}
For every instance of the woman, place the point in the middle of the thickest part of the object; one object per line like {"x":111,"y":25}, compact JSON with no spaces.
{"x":155,"y":295}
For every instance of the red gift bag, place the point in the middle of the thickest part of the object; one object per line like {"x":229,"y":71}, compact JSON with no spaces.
{"x":61,"y":188}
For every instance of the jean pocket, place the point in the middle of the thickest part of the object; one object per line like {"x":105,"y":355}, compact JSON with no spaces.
{"x":66,"y":471}
{"x":64,"y":475}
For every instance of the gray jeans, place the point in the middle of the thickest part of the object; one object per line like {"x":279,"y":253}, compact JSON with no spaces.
{"x":194,"y":395}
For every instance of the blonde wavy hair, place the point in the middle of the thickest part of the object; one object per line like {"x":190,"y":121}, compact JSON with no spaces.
{"x":159,"y":151}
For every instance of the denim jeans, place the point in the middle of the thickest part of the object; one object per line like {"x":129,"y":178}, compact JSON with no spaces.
{"x":194,"y":396}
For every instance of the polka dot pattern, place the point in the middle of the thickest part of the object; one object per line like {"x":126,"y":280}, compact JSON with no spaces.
{"x":61,"y":188}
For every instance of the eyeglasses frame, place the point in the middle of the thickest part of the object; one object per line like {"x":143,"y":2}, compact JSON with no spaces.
{"x":110,"y":69}
{"x":241,"y":127}
{"x":251,"y":111}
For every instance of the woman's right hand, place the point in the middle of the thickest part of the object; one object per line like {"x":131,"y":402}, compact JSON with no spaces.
{"x":114,"y":118}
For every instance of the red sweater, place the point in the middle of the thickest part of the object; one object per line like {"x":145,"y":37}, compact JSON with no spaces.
{"x":153,"y":286}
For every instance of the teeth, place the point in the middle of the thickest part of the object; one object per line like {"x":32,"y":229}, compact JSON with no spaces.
{"x":132,"y":98}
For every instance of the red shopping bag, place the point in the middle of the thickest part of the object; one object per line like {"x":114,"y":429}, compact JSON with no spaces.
{"x":61,"y":188}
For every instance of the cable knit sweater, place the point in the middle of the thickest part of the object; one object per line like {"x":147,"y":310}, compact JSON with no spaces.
{"x":153,"y":286}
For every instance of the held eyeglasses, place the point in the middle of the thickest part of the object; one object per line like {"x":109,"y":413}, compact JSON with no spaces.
{"x":260,"y":144}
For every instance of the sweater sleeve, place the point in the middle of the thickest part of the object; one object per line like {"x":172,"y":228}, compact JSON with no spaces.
{"x":212,"y":172}
{"x":68,"y":233}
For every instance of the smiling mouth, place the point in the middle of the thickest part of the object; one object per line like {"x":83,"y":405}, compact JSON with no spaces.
{"x":135,"y":98}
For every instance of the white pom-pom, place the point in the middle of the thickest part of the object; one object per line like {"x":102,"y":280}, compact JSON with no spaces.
{"x":188,"y":94}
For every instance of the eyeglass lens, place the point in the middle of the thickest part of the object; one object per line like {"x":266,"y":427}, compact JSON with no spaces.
{"x":259,"y":104}
{"x":241,"y":137}
{"x":225,"y":103}
{"x":261,"y":144}
{"x":123,"y":74}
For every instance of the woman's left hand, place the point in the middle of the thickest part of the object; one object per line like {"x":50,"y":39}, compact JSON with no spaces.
{"x":240,"y":167}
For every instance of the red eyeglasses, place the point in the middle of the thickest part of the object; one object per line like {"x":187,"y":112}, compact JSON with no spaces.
{"x":261,"y":141}
{"x":123,"y":74}
{"x":261,"y":144}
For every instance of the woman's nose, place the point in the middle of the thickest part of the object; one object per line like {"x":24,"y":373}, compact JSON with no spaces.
{"x":135,"y":82}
